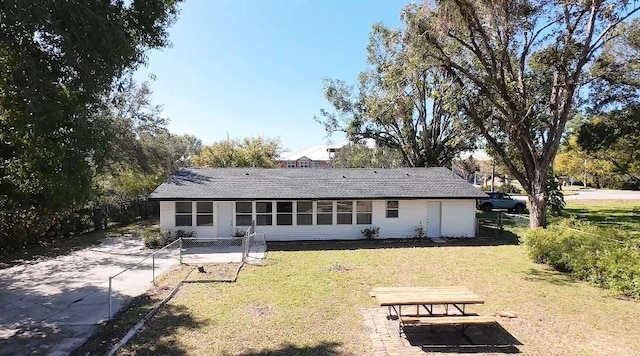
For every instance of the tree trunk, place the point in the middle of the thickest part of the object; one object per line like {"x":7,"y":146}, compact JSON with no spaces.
{"x":538,"y":213}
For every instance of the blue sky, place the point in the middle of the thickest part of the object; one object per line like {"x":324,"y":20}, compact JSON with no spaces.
{"x":255,"y":67}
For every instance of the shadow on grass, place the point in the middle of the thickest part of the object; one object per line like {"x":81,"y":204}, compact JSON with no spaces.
{"x":475,"y":339}
{"x":549,"y":276}
{"x":503,"y":238}
{"x":606,"y":217}
{"x":157,"y":337}
{"x":325,"y":348}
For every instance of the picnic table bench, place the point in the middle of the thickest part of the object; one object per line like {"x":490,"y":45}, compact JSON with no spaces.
{"x":430,"y":299}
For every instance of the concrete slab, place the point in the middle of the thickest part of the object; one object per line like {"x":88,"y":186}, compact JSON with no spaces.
{"x":53,"y":306}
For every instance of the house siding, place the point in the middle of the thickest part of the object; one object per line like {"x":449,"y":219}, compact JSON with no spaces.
{"x":457,"y":220}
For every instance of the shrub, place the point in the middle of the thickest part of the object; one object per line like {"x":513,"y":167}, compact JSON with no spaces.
{"x":370,"y":233}
{"x":155,"y":241}
{"x":609,"y":258}
{"x":419,"y":230}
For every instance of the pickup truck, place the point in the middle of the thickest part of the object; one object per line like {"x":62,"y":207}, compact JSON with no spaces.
{"x":501,"y":201}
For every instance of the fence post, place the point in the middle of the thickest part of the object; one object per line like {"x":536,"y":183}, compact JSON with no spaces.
{"x":109,"y":317}
{"x":180,"y":248}
{"x":153,"y":268}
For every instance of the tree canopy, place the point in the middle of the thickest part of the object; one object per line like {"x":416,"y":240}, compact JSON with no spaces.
{"x":248,"y":152}
{"x":401,"y":101}
{"x":519,"y":67}
{"x":58,"y":61}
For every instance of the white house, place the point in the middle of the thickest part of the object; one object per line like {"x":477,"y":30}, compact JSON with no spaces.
{"x":310,"y":204}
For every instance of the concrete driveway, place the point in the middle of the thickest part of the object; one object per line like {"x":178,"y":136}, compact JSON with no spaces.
{"x":52,"y":307}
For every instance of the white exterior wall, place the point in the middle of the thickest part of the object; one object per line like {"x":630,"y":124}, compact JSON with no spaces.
{"x":457,"y":220}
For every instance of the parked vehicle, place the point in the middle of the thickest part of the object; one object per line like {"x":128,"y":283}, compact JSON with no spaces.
{"x":501,"y":201}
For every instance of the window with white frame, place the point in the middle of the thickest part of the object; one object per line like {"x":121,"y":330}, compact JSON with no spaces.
{"x":363,"y":212}
{"x":264,"y":213}
{"x":204,"y":213}
{"x":184,"y":213}
{"x":324,"y":213}
{"x":244,"y":209}
{"x":304,"y":164}
{"x":316,"y":164}
{"x":392,"y":208}
{"x":284,"y":213}
{"x":345,"y":212}
{"x":304,"y":213}
{"x":291,"y":164}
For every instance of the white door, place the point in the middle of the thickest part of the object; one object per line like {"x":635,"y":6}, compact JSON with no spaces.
{"x":225,"y":219}
{"x":434,"y":209}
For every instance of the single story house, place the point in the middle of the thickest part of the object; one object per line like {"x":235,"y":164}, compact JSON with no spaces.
{"x":310,"y":204}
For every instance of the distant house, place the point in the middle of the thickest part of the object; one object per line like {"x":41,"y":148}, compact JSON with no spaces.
{"x":309,"y":204}
{"x":318,"y":156}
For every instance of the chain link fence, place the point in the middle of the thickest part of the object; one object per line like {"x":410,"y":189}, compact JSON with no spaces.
{"x":493,"y":224}
{"x":136,"y":278}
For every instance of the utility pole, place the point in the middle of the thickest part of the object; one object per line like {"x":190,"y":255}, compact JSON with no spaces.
{"x":493,"y":174}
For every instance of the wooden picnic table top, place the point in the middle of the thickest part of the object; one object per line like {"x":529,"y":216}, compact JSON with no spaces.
{"x":389,"y":296}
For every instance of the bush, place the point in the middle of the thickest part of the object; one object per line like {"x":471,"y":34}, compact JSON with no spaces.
{"x":155,"y":241}
{"x":370,"y":233}
{"x":609,"y":258}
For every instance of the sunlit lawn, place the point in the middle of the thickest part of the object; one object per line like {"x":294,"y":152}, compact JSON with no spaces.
{"x":615,"y":214}
{"x":308,"y":302}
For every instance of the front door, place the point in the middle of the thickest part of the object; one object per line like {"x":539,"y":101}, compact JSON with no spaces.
{"x":225,"y":219}
{"x":434,"y":209}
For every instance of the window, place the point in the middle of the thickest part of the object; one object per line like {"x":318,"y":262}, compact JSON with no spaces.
{"x":291,"y":164}
{"x":305,"y":213}
{"x":264,"y":215}
{"x":304,"y":164}
{"x":392,"y":208}
{"x":204,"y":213}
{"x":284,"y":214}
{"x":183,"y":213}
{"x":363,"y":212}
{"x":324,"y":215}
{"x":345,"y":212}
{"x":316,"y":164}
{"x":243,"y":213}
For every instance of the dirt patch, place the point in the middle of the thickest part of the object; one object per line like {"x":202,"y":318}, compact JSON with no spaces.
{"x":219,"y":272}
{"x":258,"y":311}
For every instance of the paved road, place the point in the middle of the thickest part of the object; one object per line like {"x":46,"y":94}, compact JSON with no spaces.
{"x":52,"y":307}
{"x":604,"y":194}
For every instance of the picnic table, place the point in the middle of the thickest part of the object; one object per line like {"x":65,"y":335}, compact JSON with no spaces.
{"x":429,"y":306}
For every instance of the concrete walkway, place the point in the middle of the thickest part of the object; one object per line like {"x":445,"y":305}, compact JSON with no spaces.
{"x":53,"y":306}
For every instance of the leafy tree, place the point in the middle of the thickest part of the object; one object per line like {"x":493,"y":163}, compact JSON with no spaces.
{"x":401,"y":101}
{"x":250,"y":152}
{"x":613,"y":132}
{"x":357,"y":155}
{"x":519,"y":66}
{"x":57,"y":60}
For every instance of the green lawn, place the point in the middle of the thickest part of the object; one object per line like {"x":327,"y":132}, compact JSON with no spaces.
{"x":616,"y":214}
{"x":309,"y":301}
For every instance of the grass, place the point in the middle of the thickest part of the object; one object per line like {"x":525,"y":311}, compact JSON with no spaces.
{"x":608,"y":213}
{"x":308,"y":303}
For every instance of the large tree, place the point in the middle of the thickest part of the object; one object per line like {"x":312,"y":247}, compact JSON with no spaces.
{"x":520,"y":66}
{"x":57,"y":61}
{"x":401,"y":102}
{"x":613,"y":132}
{"x":248,"y":152}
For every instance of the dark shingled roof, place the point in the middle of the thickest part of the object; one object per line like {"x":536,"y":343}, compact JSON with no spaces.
{"x":313,"y":184}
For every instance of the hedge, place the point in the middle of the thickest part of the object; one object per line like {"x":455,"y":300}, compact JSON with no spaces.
{"x":607,"y":257}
